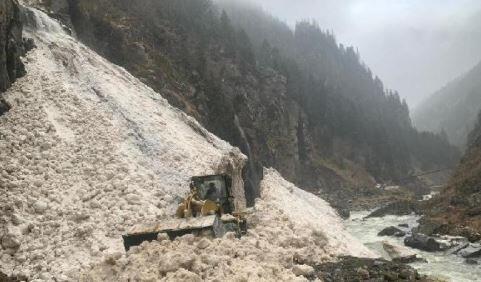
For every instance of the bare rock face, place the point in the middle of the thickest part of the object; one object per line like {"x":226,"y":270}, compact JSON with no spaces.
{"x":11,"y":46}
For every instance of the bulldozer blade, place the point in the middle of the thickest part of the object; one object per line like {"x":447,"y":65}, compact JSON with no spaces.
{"x":210,"y":226}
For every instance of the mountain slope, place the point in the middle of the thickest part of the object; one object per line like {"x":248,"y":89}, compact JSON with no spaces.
{"x":313,"y":111}
{"x":457,"y":210}
{"x":351,"y":115}
{"x":88,"y":151}
{"x":453,"y":109}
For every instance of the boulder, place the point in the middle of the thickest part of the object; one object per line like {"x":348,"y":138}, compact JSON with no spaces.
{"x":470,"y":251}
{"x":399,"y":254}
{"x":455,"y":250}
{"x":392,"y":231}
{"x":423,"y":242}
{"x":471,"y":261}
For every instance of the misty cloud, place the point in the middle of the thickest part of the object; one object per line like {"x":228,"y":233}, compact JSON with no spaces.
{"x":416,"y":47}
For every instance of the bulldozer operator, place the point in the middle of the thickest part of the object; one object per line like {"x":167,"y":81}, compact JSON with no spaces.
{"x":193,"y":206}
{"x":207,"y":210}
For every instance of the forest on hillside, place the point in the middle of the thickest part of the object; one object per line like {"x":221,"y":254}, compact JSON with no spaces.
{"x":338,"y":91}
{"x":296,"y":100}
{"x":453,"y":109}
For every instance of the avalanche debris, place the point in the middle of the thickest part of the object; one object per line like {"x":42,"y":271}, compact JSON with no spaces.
{"x":81,"y":168}
{"x":280,"y":246}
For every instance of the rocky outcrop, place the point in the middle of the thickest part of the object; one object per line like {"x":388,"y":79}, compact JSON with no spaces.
{"x":11,"y":46}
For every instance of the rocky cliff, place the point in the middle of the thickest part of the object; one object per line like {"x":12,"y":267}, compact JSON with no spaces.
{"x":11,"y":47}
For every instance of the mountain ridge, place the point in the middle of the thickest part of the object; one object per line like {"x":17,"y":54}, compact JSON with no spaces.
{"x":453,"y":109}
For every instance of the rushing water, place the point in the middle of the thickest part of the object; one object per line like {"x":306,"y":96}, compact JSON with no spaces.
{"x":440,"y":264}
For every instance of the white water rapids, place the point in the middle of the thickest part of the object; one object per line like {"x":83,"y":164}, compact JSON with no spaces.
{"x":440,"y":264}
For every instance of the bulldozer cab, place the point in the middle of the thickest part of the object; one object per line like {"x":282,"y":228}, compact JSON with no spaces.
{"x":216,"y":188}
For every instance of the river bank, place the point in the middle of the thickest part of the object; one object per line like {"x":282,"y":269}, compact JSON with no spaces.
{"x":439,"y":264}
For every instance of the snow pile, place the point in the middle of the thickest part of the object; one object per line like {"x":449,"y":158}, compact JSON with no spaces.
{"x":88,"y":151}
{"x":289,"y":231}
{"x":310,"y":214}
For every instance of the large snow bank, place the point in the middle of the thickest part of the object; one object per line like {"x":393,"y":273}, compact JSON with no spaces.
{"x":310,"y":214}
{"x":289,"y":229}
{"x":88,"y":151}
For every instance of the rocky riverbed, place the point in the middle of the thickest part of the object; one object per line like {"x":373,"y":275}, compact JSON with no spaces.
{"x":442,"y":264}
{"x":361,"y":269}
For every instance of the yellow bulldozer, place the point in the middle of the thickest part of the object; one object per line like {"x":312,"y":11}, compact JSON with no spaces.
{"x":207,"y":210}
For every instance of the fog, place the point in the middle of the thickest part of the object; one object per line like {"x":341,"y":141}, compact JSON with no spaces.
{"x":415,"y":46}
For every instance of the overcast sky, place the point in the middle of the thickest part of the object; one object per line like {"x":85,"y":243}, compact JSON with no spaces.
{"x":414,"y":46}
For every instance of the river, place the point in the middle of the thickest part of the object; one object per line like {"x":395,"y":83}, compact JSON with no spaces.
{"x":440,"y":264}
